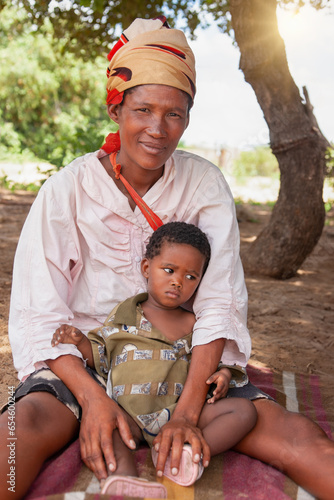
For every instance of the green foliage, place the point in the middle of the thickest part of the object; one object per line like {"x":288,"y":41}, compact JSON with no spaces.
{"x":257,"y":162}
{"x":330,"y":163}
{"x":88,"y":27}
{"x":297,"y":4}
{"x":328,"y":206}
{"x":51,"y":102}
{"x":52,"y":86}
{"x":16,"y":186}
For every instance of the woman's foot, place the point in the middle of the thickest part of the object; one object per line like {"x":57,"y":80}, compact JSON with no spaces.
{"x":133,"y":487}
{"x":189,"y":471}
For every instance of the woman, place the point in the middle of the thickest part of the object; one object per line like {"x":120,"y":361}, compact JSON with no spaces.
{"x":82,"y":244}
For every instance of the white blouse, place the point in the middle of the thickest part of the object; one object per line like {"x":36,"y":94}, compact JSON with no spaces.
{"x":81,"y":246}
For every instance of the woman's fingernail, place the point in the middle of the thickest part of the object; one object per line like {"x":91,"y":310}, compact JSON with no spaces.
{"x":206,"y":463}
{"x":175,"y":471}
{"x":156,"y":447}
{"x":111,"y":467}
{"x":132,"y":444}
{"x":197,"y":458}
{"x":159,"y":473}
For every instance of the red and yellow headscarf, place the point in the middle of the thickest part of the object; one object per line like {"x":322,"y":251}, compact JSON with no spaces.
{"x":149,"y":52}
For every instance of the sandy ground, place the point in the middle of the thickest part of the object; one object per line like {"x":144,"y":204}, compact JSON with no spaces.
{"x":291,"y":322}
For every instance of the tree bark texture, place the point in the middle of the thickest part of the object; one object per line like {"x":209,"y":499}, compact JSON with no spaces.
{"x":298,"y":216}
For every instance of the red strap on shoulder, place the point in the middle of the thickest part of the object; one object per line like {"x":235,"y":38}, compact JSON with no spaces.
{"x":151,"y":217}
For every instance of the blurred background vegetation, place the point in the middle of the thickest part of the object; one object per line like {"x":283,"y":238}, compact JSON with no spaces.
{"x":52,"y":101}
{"x":257,"y":162}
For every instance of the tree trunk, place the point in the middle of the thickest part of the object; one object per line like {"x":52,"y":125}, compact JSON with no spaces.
{"x":298,"y":216}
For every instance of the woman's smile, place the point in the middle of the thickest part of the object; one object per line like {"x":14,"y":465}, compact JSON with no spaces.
{"x":153,"y":148}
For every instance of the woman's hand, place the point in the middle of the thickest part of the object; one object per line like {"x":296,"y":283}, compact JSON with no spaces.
{"x":100,"y":415}
{"x":99,"y":420}
{"x":171,"y":439}
{"x":222,"y":380}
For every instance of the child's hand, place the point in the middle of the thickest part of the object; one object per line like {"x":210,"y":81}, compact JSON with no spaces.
{"x":222,"y":380}
{"x":67,"y":334}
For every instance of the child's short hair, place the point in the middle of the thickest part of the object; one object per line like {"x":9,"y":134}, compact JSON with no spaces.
{"x":182,"y":233}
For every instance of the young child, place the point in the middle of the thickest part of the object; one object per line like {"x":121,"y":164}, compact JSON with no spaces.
{"x":143,"y":350}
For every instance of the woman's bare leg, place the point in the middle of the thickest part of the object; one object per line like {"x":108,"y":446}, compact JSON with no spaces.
{"x":225,"y":422}
{"x":293,"y":444}
{"x":43,"y":426}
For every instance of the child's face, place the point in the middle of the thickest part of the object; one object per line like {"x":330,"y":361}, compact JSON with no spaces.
{"x":174,"y":274}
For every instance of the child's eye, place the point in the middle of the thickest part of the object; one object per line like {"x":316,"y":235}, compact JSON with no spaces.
{"x":190,"y":277}
{"x":168,"y":270}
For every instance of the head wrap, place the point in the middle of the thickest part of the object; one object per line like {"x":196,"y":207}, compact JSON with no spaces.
{"x":148,"y":52}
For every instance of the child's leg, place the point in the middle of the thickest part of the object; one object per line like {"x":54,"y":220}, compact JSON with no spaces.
{"x":226,"y":422}
{"x":223,"y":424}
{"x":124,"y":456}
{"x":124,"y":480}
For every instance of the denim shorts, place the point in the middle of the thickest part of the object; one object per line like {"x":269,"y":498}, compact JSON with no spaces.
{"x":44,"y":380}
{"x":248,"y":391}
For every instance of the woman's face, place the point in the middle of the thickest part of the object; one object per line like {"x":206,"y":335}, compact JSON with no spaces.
{"x":151,"y":121}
